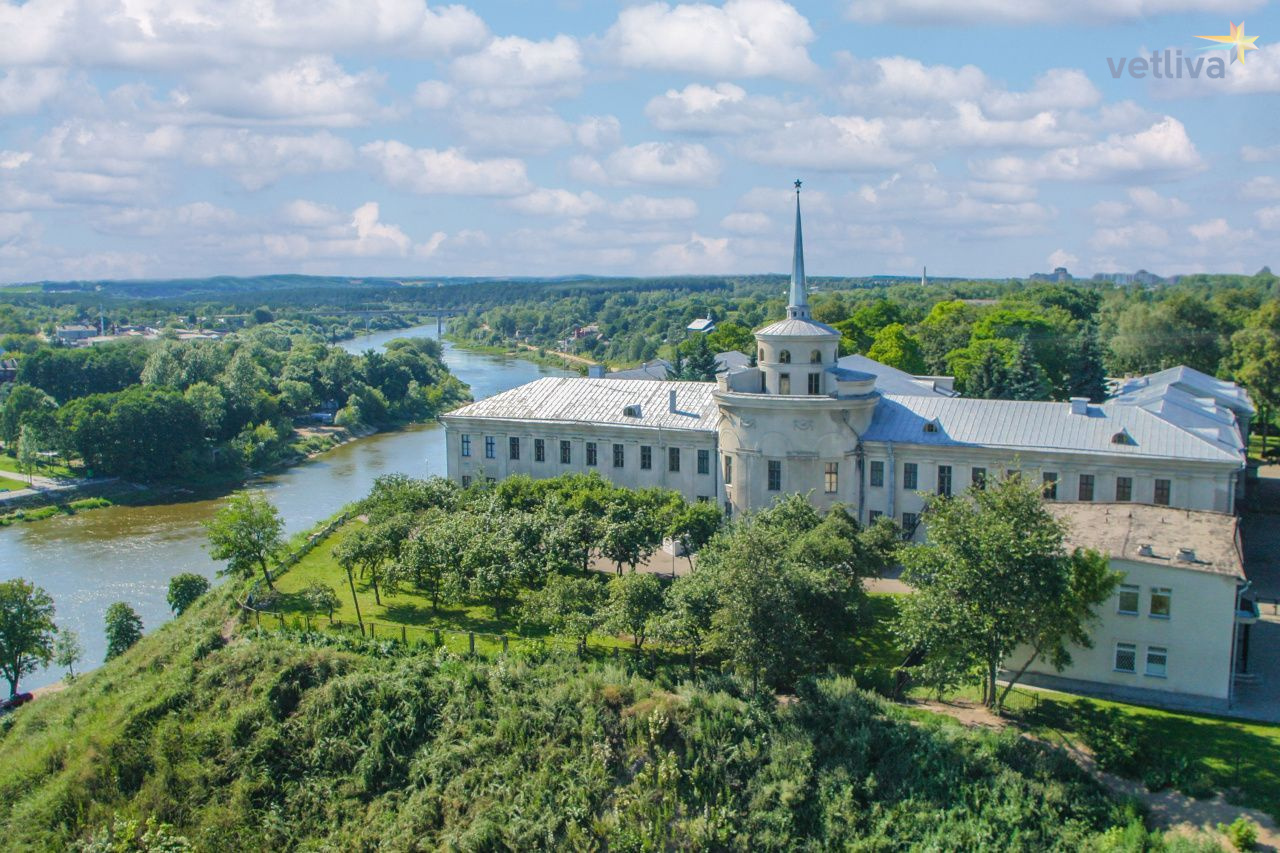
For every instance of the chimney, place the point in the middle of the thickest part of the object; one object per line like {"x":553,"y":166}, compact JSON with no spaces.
{"x":671,"y":401}
{"x":1145,"y":551}
{"x":1186,"y":555}
{"x":595,"y":371}
{"x":1079,"y":405}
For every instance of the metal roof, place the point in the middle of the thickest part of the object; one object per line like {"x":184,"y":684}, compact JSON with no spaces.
{"x":797,"y":328}
{"x":1019,"y":425}
{"x":1122,"y":529}
{"x":891,"y":380}
{"x":1189,"y":381}
{"x":601,"y":401}
{"x":659,"y":368}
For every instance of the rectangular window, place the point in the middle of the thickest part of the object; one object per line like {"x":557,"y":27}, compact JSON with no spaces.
{"x":466,"y":445}
{"x":728,"y":470}
{"x":944,"y":480}
{"x":978,"y":477}
{"x":775,"y":475}
{"x":1161,"y":602}
{"x":566,"y":452}
{"x":877,"y":474}
{"x":1050,"y":480}
{"x":1086,"y":487}
{"x":831,"y":479}
{"x":592,"y":458}
{"x":784,"y":383}
{"x":874,"y":516}
{"x":466,"y":481}
{"x":704,"y":461}
{"x":1124,"y":489}
{"x":513,"y":447}
{"x":1157,"y":661}
{"x":1126,"y":657}
{"x":539,"y":450}
{"x":490,"y":447}
{"x":673,"y":459}
{"x":910,"y":475}
{"x":910,"y":521}
{"x":815,"y":383}
{"x":618,"y":456}
{"x":491,"y":479}
{"x":1162,"y":492}
{"x":1127,"y":603}
{"x":646,"y":457}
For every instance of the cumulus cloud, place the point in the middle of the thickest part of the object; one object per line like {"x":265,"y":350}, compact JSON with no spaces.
{"x":742,"y":38}
{"x":314,"y":90}
{"x":597,"y":132}
{"x":27,"y":90}
{"x":1259,"y":75}
{"x":199,"y":216}
{"x":697,"y":254}
{"x":725,"y":108}
{"x":1269,"y":218}
{"x":1138,"y":235}
{"x":510,"y":70}
{"x":1062,"y":258}
{"x":644,"y":208}
{"x":1260,"y":153}
{"x":1264,"y":187}
{"x":557,"y":202}
{"x":1028,"y":12}
{"x":432,"y":95}
{"x":660,"y":163}
{"x":362,"y":235}
{"x":521,"y":132}
{"x":427,"y":171}
{"x":310,"y":214}
{"x":258,"y":160}
{"x":752,"y":222}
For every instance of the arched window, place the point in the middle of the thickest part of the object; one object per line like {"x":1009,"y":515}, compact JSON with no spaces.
{"x":1123,"y":437}
{"x":784,"y":357}
{"x":760,"y":357}
{"x":815,"y":357}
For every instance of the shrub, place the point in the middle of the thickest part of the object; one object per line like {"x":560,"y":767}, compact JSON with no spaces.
{"x":184,"y":589}
{"x":124,"y":628}
{"x":1241,"y":832}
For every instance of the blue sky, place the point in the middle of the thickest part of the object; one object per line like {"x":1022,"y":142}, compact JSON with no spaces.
{"x":390,"y":137}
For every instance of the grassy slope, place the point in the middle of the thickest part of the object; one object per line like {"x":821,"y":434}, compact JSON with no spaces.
{"x":275,"y":743}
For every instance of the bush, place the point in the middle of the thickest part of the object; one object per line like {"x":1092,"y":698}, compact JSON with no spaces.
{"x":1241,"y":832}
{"x":124,"y":628}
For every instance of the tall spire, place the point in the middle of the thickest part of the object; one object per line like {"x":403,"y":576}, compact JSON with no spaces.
{"x":798,"y":305}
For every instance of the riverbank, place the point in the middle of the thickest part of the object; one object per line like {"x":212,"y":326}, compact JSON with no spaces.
{"x":528,"y":352}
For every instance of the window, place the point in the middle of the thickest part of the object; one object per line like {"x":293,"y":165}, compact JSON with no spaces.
{"x":944,"y":480}
{"x":910,"y":521}
{"x":784,"y":357}
{"x":490,"y":447}
{"x":1050,"y":480}
{"x":618,"y":457}
{"x":1157,"y":661}
{"x":831,"y":478}
{"x":1124,"y":489}
{"x":539,"y":450}
{"x":775,"y":475}
{"x":1086,"y":487}
{"x":1162,"y":492}
{"x":874,"y":516}
{"x":704,"y":461}
{"x":978,"y":476}
{"x":466,"y":445}
{"x":592,"y":456}
{"x":784,"y":383}
{"x":673,"y":459}
{"x":1126,"y":657}
{"x":566,"y":452}
{"x":491,"y":479}
{"x":466,"y":481}
{"x":728,"y":470}
{"x":910,"y":475}
{"x":513,"y":447}
{"x":760,"y":355}
{"x":877,"y":473}
{"x":931,"y":426}
{"x":815,"y":357}
{"x":815,"y":383}
{"x":1161,"y":601}
{"x":646,"y":457}
{"x":1127,"y":602}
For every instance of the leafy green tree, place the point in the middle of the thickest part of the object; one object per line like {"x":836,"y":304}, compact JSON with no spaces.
{"x":427,"y":559}
{"x":893,"y":346}
{"x":1088,"y":377}
{"x":247,"y":533}
{"x":124,"y":628}
{"x":210,"y":407}
{"x":1026,"y":379}
{"x":185,"y":589}
{"x":67,"y":651}
{"x":699,"y":360}
{"x":22,"y":400}
{"x":26,"y":630}
{"x":694,"y":525}
{"x":994,"y":576}
{"x":946,"y":328}
{"x":28,"y":452}
{"x":569,"y":606}
{"x":321,"y":598}
{"x":730,"y":336}
{"x":628,"y":533}
{"x":689,"y":606}
{"x":989,"y":378}
{"x":634,"y":600}
{"x":1255,"y":358}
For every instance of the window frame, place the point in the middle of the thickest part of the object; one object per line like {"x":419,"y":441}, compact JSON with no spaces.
{"x":1049,"y":485}
{"x":1166,"y":489}
{"x":774,"y":475}
{"x":466,"y":446}
{"x":815,"y":384}
{"x":1158,"y":651}
{"x":619,"y":456}
{"x":539,"y":450}
{"x":944,"y":481}
{"x":566,"y":452}
{"x":490,"y":447}
{"x":1091,"y":481}
{"x":875,"y":475}
{"x":1132,"y":650}
{"x":728,"y":470}
{"x":1165,"y":592}
{"x":673,"y":460}
{"x":784,"y":384}
{"x":910,"y":476}
{"x":593,"y":454}
{"x":704,"y":462}
{"x":646,"y":457}
{"x":831,"y":478}
{"x":1121,"y":590}
{"x":513,"y":448}
{"x":1124,"y":490}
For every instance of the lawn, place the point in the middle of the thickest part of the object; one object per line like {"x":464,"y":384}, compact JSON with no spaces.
{"x":8,"y":484}
{"x":10,"y":464}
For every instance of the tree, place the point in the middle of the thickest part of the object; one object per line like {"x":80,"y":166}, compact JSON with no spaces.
{"x":184,"y":589}
{"x":694,"y":525}
{"x":246,"y":533}
{"x":989,"y":377}
{"x":1255,"y":358}
{"x":26,"y":630}
{"x":28,"y":452}
{"x":22,"y":400}
{"x":688,"y":609}
{"x":1087,"y":377}
{"x":700,"y":361}
{"x":569,"y":606}
{"x":321,"y":598}
{"x":1026,"y":378}
{"x":67,"y":651}
{"x":634,"y":600}
{"x":894,"y":347}
{"x":995,"y":576}
{"x":628,"y":533}
{"x":124,"y":628}
{"x":730,"y":336}
{"x":427,"y":558}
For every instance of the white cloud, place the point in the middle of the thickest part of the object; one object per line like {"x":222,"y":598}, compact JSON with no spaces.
{"x":1162,"y":150}
{"x":878,"y":239}
{"x":516,"y":132}
{"x":557,"y":202}
{"x":597,"y":132}
{"x":742,"y":38}
{"x":427,"y":171}
{"x":1259,"y":75}
{"x":1264,"y":187}
{"x":314,"y":90}
{"x":1269,"y":218}
{"x":363,"y":235}
{"x":697,"y":254}
{"x":1151,"y":203}
{"x":661,"y":163}
{"x":1259,"y":154}
{"x":257,"y":160}
{"x":201,"y":216}
{"x":1015,"y":12}
{"x":310,"y":214}
{"x":27,"y":90}
{"x":1062,"y":258}
{"x":891,"y":81}
{"x":511,"y":71}
{"x":1055,"y":89}
{"x":723,"y":109}
{"x":829,"y":142}
{"x":433,"y":95}
{"x":747,"y":223}
{"x":643,"y":208}
{"x":15,"y":227}
{"x":1137,"y":235}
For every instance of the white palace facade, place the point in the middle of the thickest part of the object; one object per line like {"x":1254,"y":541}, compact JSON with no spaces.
{"x":878,"y":440}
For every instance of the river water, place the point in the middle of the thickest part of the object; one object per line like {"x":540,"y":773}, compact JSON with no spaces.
{"x":120,"y":553}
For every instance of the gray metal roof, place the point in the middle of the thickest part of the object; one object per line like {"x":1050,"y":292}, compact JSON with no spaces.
{"x":731,"y":360}
{"x":797,"y":328}
{"x":1018,"y":425}
{"x":891,"y":380}
{"x":601,"y":401}
{"x":1189,"y":381}
{"x":659,"y":368}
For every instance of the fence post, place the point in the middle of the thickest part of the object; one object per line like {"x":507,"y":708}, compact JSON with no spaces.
{"x":404,"y":639}
{"x":306,"y":621}
{"x":471,"y":641}
{"x":370,"y":630}
{"x":436,"y":632}
{"x":504,"y":644}
{"x":280,"y":616}
{"x":257,"y":618}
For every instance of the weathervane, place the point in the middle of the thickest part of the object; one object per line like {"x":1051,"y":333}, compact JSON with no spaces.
{"x":797,"y":185}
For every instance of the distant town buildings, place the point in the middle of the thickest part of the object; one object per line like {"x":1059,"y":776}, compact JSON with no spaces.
{"x":702,"y":326}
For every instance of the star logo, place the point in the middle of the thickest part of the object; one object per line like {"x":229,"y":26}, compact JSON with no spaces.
{"x":1237,"y":41}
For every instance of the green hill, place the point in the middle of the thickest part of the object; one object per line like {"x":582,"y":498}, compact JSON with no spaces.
{"x":284,"y":741}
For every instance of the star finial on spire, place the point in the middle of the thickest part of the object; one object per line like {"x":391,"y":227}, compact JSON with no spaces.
{"x":797,"y":185}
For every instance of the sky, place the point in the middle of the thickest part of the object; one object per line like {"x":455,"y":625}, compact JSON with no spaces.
{"x":989,"y":138}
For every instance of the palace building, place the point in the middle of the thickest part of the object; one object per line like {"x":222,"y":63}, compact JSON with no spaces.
{"x":875,"y":439}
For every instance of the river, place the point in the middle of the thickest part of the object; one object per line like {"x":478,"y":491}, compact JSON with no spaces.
{"x":120,"y":553}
